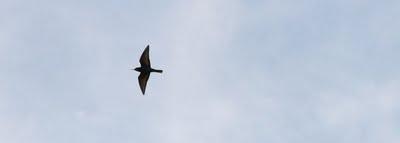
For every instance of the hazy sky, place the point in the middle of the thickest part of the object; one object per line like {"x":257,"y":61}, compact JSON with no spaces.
{"x":272,"y":71}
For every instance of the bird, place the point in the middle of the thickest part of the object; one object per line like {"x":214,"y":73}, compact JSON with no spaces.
{"x":145,"y":69}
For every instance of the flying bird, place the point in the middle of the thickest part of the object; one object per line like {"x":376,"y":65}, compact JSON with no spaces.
{"x":145,"y":69}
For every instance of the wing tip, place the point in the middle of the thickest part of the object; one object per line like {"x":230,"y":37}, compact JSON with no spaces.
{"x":143,"y":91}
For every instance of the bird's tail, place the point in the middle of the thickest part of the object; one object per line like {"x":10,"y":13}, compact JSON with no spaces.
{"x":159,"y":71}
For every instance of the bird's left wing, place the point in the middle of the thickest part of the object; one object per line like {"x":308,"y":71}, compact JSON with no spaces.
{"x":143,"y":77}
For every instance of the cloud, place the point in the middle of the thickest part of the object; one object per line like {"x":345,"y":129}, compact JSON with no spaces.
{"x":235,"y":71}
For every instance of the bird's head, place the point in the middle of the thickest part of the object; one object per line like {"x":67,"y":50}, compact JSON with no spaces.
{"x":137,"y":69}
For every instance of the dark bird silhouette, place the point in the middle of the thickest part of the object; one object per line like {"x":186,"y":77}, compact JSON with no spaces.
{"x":145,"y":69}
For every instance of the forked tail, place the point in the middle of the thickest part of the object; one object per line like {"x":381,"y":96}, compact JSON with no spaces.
{"x":159,"y":71}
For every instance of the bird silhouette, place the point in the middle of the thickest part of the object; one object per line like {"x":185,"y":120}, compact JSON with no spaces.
{"x":145,"y":69}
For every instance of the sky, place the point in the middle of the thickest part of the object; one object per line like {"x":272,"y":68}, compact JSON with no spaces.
{"x":276,"y":71}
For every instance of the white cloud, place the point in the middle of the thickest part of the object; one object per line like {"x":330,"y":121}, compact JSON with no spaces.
{"x":259,"y":71}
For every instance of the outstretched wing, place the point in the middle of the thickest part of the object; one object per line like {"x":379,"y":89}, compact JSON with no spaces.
{"x":145,"y":59}
{"x":143,"y":77}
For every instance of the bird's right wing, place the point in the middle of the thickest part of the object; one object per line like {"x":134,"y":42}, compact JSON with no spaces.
{"x":145,"y":59}
{"x":143,"y":77}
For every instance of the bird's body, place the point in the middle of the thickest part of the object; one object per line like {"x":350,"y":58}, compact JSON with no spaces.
{"x":145,"y":69}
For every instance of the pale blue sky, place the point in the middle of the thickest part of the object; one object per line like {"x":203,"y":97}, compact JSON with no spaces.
{"x":276,"y":71}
